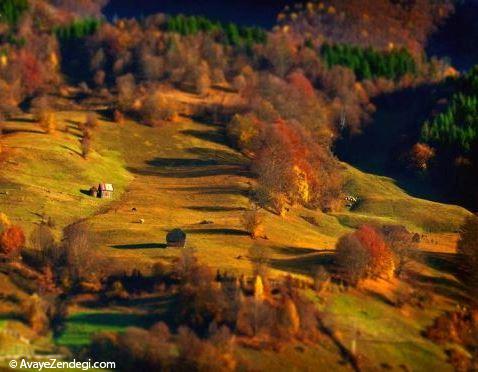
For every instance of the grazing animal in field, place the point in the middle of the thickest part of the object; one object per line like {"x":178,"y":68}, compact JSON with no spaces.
{"x":141,"y":221}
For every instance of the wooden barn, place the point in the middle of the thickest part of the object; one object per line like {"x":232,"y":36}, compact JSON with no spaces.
{"x":176,"y":238}
{"x":105,"y":190}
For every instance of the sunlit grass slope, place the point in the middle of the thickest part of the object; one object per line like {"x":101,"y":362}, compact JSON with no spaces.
{"x":187,"y":176}
{"x":183,"y":175}
{"x":381,"y":200}
{"x":45,"y":173}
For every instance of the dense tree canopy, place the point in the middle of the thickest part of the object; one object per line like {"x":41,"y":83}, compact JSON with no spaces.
{"x":369,"y":63}
{"x":12,"y":10}
{"x":77,"y":29}
{"x":228,"y":33}
{"x":456,"y":128}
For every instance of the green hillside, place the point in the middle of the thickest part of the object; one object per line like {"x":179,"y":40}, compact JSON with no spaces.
{"x":184,"y":175}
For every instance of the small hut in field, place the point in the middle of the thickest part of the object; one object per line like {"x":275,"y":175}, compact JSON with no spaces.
{"x":105,"y":190}
{"x":176,"y":238}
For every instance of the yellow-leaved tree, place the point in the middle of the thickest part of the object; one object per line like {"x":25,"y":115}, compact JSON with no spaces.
{"x":4,"y":222}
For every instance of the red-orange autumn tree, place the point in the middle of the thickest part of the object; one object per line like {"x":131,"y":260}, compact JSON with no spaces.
{"x":288,"y":165}
{"x":364,"y":254}
{"x":298,"y":80}
{"x":420,"y":156}
{"x":30,"y":70}
{"x":12,"y":241}
{"x":381,"y":258}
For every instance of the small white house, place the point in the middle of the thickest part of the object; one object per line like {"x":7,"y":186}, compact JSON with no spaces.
{"x":105,"y":190}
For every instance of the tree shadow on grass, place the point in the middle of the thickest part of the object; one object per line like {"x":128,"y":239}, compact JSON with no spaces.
{"x":73,"y":122}
{"x":293,"y":251}
{"x":204,"y":120}
{"x":73,"y":130}
{"x":197,"y":172}
{"x":222,"y":88}
{"x":181,"y":162}
{"x":380,"y":297}
{"x":305,"y":264}
{"x":155,"y":303}
{"x":224,"y":231}
{"x":113,"y":319}
{"x":445,"y":262}
{"x":72,"y":150}
{"x":206,"y":157}
{"x":85,"y":192}
{"x":222,"y":157}
{"x":216,"y":208}
{"x":214,"y":190}
{"x":214,"y":136}
{"x":19,"y":130}
{"x":140,"y":246}
{"x":106,"y":114}
{"x":5,"y":317}
{"x":22,"y":120}
{"x":441,"y":286}
{"x":208,"y":162}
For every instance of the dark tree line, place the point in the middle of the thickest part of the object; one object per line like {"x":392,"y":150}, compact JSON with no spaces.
{"x":368,"y":63}
{"x":229,"y":33}
{"x":456,"y":128}
{"x":77,"y":29}
{"x":452,"y":135}
{"x":12,"y":10}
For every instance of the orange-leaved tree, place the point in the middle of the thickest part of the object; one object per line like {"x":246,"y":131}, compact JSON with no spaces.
{"x":12,"y":241}
{"x":298,"y":80}
{"x":420,"y":156}
{"x":381,"y":257}
{"x":364,"y":254}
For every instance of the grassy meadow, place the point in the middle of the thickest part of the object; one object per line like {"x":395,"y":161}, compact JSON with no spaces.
{"x":184,"y":174}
